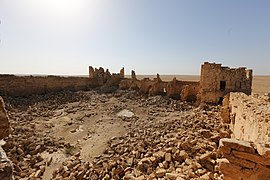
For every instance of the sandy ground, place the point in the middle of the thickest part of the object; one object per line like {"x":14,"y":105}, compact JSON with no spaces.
{"x":261,"y":84}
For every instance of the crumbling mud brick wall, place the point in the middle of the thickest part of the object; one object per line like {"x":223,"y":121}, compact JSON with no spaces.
{"x":189,"y":92}
{"x":216,"y":81}
{"x":5,"y":164}
{"x":153,"y":87}
{"x":144,"y":86}
{"x":12,"y":85}
{"x":133,"y":83}
{"x":105,"y":79}
{"x":248,"y":153}
{"x":184,"y":90}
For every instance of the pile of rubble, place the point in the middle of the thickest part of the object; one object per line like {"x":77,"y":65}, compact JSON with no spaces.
{"x":25,"y":145}
{"x":172,"y":148}
{"x":174,"y":140}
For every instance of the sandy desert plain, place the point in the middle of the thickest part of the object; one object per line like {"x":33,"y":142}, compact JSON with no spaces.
{"x":120,"y":135}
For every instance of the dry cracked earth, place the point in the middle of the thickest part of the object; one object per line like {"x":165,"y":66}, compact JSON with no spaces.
{"x":87,"y":135}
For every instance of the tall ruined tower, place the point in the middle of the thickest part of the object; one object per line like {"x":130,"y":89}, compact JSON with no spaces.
{"x":216,"y":81}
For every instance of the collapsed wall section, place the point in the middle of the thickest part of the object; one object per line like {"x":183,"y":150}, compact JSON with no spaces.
{"x":248,"y":152}
{"x":145,"y":86}
{"x":184,"y":90}
{"x":105,"y":79}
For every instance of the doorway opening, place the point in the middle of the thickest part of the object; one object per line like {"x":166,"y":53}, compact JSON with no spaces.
{"x":222,"y":85}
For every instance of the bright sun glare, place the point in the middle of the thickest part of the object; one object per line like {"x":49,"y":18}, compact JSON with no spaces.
{"x":59,"y":12}
{"x":61,"y":8}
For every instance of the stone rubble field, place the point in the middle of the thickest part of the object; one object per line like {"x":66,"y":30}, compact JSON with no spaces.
{"x":81,"y":135}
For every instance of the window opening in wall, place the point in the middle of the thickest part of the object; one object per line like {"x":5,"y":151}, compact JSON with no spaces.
{"x":222,"y":85}
{"x":220,"y":100}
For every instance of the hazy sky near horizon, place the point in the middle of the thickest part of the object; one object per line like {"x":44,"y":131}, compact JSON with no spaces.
{"x":149,"y":36}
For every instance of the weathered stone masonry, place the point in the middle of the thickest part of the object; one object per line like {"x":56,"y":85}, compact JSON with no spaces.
{"x":184,"y":90}
{"x":248,"y":152}
{"x":11,"y":85}
{"x":216,"y":81}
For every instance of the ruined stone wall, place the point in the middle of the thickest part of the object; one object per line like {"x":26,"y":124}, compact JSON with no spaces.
{"x":249,"y":152}
{"x":242,"y":161}
{"x":145,"y":86}
{"x":184,"y":90}
{"x":189,"y":92}
{"x":12,"y":85}
{"x":216,"y":81}
{"x":105,"y":79}
{"x":249,"y":117}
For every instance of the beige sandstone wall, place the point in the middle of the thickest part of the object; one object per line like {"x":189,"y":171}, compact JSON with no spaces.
{"x":184,"y":90}
{"x":242,"y":161}
{"x":250,"y":117}
{"x":212,"y":77}
{"x":105,"y":78}
{"x":248,"y":153}
{"x":189,"y":92}
{"x":12,"y":85}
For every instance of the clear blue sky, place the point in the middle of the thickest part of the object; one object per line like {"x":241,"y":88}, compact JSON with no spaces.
{"x":149,"y":36}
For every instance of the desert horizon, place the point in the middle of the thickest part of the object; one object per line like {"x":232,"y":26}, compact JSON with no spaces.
{"x":260,"y":83}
